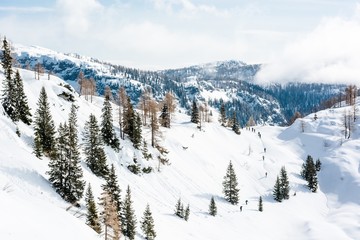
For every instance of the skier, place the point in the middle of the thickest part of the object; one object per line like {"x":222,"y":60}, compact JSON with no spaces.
{"x":240,"y":208}
{"x":246,"y":202}
{"x":265,"y":174}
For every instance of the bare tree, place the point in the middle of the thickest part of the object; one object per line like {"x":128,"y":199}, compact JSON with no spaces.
{"x":154,"y":125}
{"x":110,"y":219}
{"x":39,"y":71}
{"x":144,"y":104}
{"x":81,"y":80}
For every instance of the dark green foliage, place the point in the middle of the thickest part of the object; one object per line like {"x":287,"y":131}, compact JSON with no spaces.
{"x":136,"y":137}
{"x":165,"y":116}
{"x":129,"y":222}
{"x":284,"y":183}
{"x":230,"y":184}
{"x":92,"y":217}
{"x":145,"y":151}
{"x":212,"y":207}
{"x":187,"y":212}
{"x":318,"y":165}
{"x":64,"y":169}
{"x":8,"y":96}
{"x":147,"y":224}
{"x":195,"y":113}
{"x":67,"y":96}
{"x":134,"y":168}
{"x":93,"y":148}
{"x":179,"y":209}
{"x":235,"y":127}
{"x":22,"y":106}
{"x":277,"y":190}
{"x":44,"y":127}
{"x":112,"y":188}
{"x":222,"y":118}
{"x":260,"y":204}
{"x":132,"y":124}
{"x":147,"y":169}
{"x":107,"y":128}
{"x":309,"y":173}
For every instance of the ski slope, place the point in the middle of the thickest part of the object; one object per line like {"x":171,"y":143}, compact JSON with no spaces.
{"x":31,"y":209}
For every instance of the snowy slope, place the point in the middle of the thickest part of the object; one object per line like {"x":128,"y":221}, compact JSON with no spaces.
{"x":31,"y":209}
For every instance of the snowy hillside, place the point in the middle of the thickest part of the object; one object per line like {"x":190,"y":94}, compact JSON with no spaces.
{"x":31,"y":209}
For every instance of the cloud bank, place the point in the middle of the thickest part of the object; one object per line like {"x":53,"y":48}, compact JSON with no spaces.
{"x":328,"y":54}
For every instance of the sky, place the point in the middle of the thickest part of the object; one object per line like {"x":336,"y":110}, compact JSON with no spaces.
{"x":305,"y":40}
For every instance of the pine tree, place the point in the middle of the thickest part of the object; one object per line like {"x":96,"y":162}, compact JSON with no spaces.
{"x":44,"y":126}
{"x":92,"y":217}
{"x":153,"y":122}
{"x":212,"y":207}
{"x":194,"y":113}
{"x":22,"y":106}
{"x":93,"y":148}
{"x":107,"y":128}
{"x":165,"y":116}
{"x":147,"y":224}
{"x":136,"y":138}
{"x":8,"y":97}
{"x":277,"y":190}
{"x":145,"y":151}
{"x":112,"y":187}
{"x":187,"y":212}
{"x":235,"y":124}
{"x":309,"y":173}
{"x":222,"y":118}
{"x":179,"y":209}
{"x":230,"y":185}
{"x":260,"y":204}
{"x":110,"y":218}
{"x":75,"y":184}
{"x":284,"y":184}
{"x":318,"y":165}
{"x":129,"y":224}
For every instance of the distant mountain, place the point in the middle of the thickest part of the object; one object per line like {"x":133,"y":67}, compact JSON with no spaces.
{"x":228,"y":82}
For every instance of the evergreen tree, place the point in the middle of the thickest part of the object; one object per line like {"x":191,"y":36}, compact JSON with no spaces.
{"x":187,"y":212}
{"x":136,"y":138}
{"x":112,"y":188}
{"x":22,"y":106}
{"x":107,"y":128}
{"x":318,"y":165}
{"x":129,"y":223}
{"x":8,"y":97}
{"x":145,"y":151}
{"x":92,"y":217}
{"x":230,"y":185}
{"x":128,"y":118}
{"x":44,"y":127}
{"x":284,"y":184}
{"x":93,"y":148}
{"x":212,"y":207}
{"x":195,"y":113}
{"x":277,"y":190}
{"x":109,"y":217}
{"x":222,"y":118}
{"x":235,"y":124}
{"x":64,"y":169}
{"x":309,"y":173}
{"x":147,"y":224}
{"x":165,"y":116}
{"x":260,"y":204}
{"x":179,"y":209}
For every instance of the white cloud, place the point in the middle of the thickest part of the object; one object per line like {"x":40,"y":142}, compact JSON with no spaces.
{"x":329,"y":54}
{"x":25,"y":9}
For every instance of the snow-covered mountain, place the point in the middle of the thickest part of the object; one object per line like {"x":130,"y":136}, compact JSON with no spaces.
{"x":227,"y":81}
{"x":31,"y":209}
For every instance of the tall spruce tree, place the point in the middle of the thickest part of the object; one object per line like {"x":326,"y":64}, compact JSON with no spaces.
{"x":179,"y":209}
{"x":212,"y":207}
{"x":165,"y":116}
{"x":235,"y":124}
{"x":136,"y":137}
{"x":277,"y":190}
{"x":44,"y":127}
{"x":22,"y":106}
{"x":230,"y":185}
{"x":94,"y":149}
{"x":107,"y":128}
{"x":92,"y":217}
{"x":129,"y":223}
{"x":187,"y":212}
{"x":195,"y":113}
{"x":147,"y":224}
{"x":284,"y":184}
{"x":65,"y":172}
{"x":309,"y":173}
{"x":222,"y":117}
{"x":8,"y":96}
{"x":260,"y":204}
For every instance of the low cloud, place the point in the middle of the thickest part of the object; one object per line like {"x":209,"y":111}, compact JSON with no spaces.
{"x":328,"y":54}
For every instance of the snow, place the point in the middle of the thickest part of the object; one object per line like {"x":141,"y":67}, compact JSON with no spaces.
{"x":31,"y":209}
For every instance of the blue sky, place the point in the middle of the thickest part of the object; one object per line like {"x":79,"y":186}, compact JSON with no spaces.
{"x":157,"y":34}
